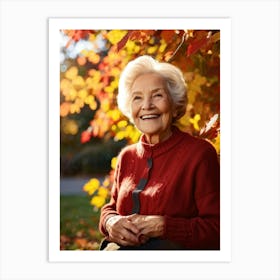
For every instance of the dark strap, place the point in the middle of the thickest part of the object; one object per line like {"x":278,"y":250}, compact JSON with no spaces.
{"x":140,"y":187}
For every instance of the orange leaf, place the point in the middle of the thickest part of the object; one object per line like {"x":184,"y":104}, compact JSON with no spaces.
{"x":167,"y":35}
{"x":81,"y":242}
{"x":81,"y":60}
{"x":92,"y":232}
{"x":64,"y":109}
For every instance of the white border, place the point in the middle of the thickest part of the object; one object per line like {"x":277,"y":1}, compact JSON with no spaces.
{"x":222,"y":24}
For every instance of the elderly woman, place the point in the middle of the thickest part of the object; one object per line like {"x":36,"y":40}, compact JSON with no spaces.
{"x":166,"y":189}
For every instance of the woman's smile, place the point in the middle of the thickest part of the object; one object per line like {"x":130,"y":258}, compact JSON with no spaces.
{"x":150,"y":116}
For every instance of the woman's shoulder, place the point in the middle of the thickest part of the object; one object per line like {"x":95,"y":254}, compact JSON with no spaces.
{"x":128,"y":150}
{"x":196,"y":144}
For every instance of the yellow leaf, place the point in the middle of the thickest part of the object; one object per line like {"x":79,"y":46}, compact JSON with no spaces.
{"x":91,"y":186}
{"x":103,"y":192}
{"x":82,"y":93}
{"x":72,"y":94}
{"x":134,"y":134}
{"x":105,"y":105}
{"x":132,"y":47}
{"x":194,"y":121}
{"x":114,"y":127}
{"x":92,"y":37}
{"x":74,"y":108}
{"x":89,"y":99}
{"x":115,"y":115}
{"x":109,"y":89}
{"x":115,"y":71}
{"x":114,"y":162}
{"x":162,"y":46}
{"x":98,"y":201}
{"x":114,"y":36}
{"x":79,"y":103}
{"x":71,"y":73}
{"x":122,"y":124}
{"x":152,"y":50}
{"x":78,"y":82}
{"x":216,"y":143}
{"x":93,"y":105}
{"x":65,"y":84}
{"x":120,"y":135}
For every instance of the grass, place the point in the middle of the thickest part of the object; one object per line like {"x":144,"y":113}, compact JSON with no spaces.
{"x":78,"y":224}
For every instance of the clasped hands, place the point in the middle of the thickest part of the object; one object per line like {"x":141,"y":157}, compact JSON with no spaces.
{"x":135,"y":229}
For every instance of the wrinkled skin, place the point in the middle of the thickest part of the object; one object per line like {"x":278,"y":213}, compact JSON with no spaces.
{"x":134,"y":230}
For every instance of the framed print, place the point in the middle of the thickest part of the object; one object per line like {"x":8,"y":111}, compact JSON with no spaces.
{"x":53,"y":170}
{"x":87,"y":129}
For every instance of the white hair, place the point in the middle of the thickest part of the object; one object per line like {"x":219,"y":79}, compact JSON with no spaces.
{"x":172,"y":75}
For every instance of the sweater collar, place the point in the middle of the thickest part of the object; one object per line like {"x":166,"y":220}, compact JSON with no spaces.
{"x":146,"y":150}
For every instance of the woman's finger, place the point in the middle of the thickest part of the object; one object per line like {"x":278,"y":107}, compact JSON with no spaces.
{"x":130,"y":226}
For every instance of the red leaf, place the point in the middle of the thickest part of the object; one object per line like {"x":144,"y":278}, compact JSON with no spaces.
{"x":138,"y":35}
{"x":124,"y":40}
{"x":141,"y":35}
{"x":196,"y":45}
{"x":85,"y":136}
{"x":76,"y":35}
{"x":80,"y":34}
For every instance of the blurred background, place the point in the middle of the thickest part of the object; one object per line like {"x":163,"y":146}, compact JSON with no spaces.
{"x":93,"y":130}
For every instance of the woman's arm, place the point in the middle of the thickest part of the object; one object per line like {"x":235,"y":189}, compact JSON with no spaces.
{"x":115,"y":227}
{"x":201,"y":232}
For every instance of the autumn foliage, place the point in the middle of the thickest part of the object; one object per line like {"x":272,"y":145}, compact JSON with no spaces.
{"x":89,"y":78}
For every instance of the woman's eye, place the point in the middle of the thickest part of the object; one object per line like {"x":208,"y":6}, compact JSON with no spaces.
{"x":136,"y":97}
{"x":158,"y":95}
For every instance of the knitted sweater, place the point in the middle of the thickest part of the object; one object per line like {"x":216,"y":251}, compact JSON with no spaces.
{"x":182,"y":184}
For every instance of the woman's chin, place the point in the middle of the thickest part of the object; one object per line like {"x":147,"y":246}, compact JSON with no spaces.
{"x":150,"y":131}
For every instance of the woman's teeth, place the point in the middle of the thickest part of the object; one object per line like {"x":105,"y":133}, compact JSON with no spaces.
{"x":146,"y":117}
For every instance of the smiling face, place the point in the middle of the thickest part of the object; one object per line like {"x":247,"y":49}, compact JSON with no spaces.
{"x":151,"y":107}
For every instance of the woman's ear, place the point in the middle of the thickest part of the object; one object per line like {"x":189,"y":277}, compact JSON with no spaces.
{"x":174,"y":113}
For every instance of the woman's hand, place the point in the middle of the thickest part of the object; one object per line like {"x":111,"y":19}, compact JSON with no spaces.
{"x":149,"y":226}
{"x":123,"y":231}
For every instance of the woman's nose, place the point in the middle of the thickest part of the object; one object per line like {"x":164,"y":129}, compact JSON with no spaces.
{"x":147,"y":104}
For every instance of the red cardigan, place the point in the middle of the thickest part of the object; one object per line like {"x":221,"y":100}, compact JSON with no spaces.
{"x":183,"y":186}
